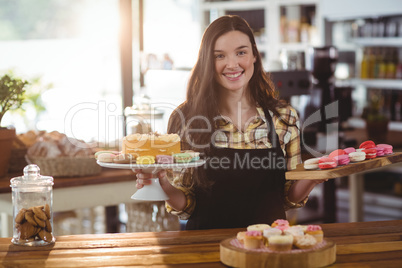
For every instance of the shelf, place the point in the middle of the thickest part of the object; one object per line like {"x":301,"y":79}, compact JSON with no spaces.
{"x":379,"y":41}
{"x":371,"y":83}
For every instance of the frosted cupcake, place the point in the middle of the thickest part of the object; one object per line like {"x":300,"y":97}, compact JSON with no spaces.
{"x":280,"y":242}
{"x":252,"y":239}
{"x":294,"y":230}
{"x":305,"y":241}
{"x":316,"y":232}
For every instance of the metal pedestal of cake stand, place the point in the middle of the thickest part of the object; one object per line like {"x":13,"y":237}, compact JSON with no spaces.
{"x":153,"y":191}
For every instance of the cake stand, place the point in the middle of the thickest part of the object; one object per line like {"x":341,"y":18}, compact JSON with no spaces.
{"x":153,"y":191}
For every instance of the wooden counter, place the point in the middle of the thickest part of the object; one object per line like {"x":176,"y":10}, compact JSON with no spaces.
{"x":364,"y":244}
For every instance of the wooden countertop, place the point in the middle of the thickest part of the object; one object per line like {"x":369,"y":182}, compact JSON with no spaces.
{"x":106,"y":176}
{"x":364,"y":244}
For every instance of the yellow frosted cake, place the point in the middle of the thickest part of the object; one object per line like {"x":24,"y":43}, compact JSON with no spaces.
{"x":151,"y":144}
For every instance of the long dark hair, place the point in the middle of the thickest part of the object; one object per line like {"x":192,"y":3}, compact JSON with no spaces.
{"x":201,"y":105}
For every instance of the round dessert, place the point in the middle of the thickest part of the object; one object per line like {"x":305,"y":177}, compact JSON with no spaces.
{"x":252,"y":239}
{"x":316,"y":232}
{"x":305,"y":241}
{"x":387,"y":148}
{"x":336,"y":153}
{"x":342,"y":160}
{"x":327,"y":163}
{"x":258,"y":227}
{"x":280,"y":222}
{"x":280,"y":242}
{"x":195,"y":155}
{"x":357,"y":156}
{"x":380,"y":151}
{"x":311,"y":163}
{"x":271,"y":231}
{"x":164,"y":159}
{"x":182,"y":158}
{"x":145,"y":160}
{"x":370,"y":153}
{"x":150,"y":144}
{"x":294,"y":230}
{"x":123,"y":159}
{"x":241,"y":236}
{"x":349,"y":150}
{"x":106,"y":157}
{"x":367,"y":144}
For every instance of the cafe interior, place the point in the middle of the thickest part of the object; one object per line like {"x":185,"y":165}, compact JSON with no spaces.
{"x":99,"y":70}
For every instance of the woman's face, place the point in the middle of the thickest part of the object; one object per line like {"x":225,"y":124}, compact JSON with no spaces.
{"x":234,"y":60}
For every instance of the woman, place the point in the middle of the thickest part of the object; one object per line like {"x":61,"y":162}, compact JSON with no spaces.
{"x":233,"y":116}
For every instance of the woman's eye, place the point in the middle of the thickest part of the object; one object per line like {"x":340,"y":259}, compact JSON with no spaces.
{"x":241,"y":53}
{"x":218,"y":56}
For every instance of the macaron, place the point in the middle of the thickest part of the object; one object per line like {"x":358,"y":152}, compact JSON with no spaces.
{"x":164,"y":159}
{"x":311,"y":163}
{"x":367,"y":144}
{"x":195,"y":155}
{"x":380,"y":151}
{"x":336,"y":152}
{"x":97,"y":154}
{"x":342,"y":160}
{"x":123,"y":159}
{"x":145,"y":160}
{"x":357,"y":156}
{"x":182,"y":157}
{"x":387,"y":148}
{"x":349,"y":150}
{"x":326,"y":163}
{"x":370,"y":153}
{"x":106,"y":157}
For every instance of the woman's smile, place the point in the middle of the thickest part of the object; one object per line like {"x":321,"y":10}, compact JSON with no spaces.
{"x":233,"y":75}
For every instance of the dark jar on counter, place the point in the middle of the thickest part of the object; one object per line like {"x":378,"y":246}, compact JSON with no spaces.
{"x":32,"y":197}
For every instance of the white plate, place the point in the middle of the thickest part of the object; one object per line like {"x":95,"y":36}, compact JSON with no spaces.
{"x":152,"y":166}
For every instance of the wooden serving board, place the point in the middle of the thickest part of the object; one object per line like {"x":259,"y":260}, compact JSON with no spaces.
{"x":302,"y":174}
{"x":242,"y":258}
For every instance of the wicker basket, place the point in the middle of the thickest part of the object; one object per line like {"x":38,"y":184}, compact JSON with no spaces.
{"x":66,"y":166}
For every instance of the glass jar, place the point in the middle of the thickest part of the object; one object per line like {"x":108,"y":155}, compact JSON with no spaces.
{"x":32,"y":197}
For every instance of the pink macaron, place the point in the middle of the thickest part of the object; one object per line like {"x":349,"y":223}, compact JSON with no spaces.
{"x":336,"y":153}
{"x":380,"y":151}
{"x":342,"y":160}
{"x":327,"y":163}
{"x":387,"y":148}
{"x":349,"y":150}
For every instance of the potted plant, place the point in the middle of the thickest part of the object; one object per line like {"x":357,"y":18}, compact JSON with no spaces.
{"x":12,"y":93}
{"x":376,"y":122}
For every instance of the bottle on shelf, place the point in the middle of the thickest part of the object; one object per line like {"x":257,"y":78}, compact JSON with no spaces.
{"x":382,"y":63}
{"x":391,"y":63}
{"x":364,"y":68}
{"x":398,"y":74}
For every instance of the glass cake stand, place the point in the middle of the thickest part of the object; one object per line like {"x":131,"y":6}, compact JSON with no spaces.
{"x":153,"y":191}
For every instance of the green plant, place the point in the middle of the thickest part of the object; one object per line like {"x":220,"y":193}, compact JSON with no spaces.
{"x":12,"y":93}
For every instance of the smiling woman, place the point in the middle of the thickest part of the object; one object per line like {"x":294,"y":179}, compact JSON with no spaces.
{"x":74,"y":46}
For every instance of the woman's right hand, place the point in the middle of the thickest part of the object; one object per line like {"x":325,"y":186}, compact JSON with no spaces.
{"x":145,"y":178}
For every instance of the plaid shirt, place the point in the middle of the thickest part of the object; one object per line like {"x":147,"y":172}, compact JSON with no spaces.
{"x":254,"y":137}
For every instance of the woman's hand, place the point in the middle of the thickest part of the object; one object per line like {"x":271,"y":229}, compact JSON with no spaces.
{"x":145,"y":178}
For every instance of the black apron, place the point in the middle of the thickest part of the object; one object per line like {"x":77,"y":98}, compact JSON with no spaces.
{"x":248,"y":186}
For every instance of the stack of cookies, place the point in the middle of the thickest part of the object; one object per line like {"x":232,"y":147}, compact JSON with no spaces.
{"x":34,"y":223}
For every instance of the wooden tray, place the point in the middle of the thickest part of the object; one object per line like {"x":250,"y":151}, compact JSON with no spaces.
{"x":242,"y":258}
{"x":302,"y":174}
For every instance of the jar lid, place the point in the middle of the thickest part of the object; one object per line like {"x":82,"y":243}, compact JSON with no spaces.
{"x":31,"y":177}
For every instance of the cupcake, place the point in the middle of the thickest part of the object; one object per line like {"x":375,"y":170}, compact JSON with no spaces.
{"x":241,"y":236}
{"x":280,"y":242}
{"x":280,"y":223}
{"x":294,"y":230}
{"x":258,"y":227}
{"x":252,"y":239}
{"x":304,"y":241}
{"x":316,"y":232}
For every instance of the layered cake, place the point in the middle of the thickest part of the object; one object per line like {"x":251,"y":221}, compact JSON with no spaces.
{"x":151,"y":144}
